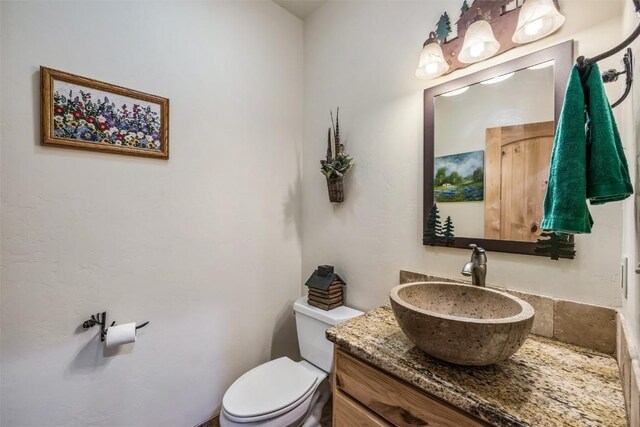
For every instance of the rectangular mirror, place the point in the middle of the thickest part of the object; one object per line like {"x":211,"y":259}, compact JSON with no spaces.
{"x":487,"y":147}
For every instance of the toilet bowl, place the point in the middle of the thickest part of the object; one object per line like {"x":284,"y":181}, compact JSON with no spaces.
{"x":282,"y":392}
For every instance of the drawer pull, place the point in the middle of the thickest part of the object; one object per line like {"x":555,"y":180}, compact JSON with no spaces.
{"x":338,"y":380}
{"x":396,"y":413}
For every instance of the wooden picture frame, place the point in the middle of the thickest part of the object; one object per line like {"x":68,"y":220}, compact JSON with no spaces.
{"x":82,"y":113}
{"x":563,"y":56}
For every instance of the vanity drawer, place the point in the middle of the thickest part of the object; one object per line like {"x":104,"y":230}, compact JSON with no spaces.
{"x":392,"y":399}
{"x":349,"y":413}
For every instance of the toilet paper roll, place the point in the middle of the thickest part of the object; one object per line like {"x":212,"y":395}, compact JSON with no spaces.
{"x":121,"y":334}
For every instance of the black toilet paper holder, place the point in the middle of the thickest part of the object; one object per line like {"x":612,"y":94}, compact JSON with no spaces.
{"x":101,"y":319}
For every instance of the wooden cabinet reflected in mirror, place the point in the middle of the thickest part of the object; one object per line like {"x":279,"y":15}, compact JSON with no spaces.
{"x":488,"y":138}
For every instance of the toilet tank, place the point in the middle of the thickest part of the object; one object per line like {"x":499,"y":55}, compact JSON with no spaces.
{"x":311,"y":323}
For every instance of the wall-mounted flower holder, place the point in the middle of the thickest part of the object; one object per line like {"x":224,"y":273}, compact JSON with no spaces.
{"x":337,"y":162}
{"x":336,"y":189}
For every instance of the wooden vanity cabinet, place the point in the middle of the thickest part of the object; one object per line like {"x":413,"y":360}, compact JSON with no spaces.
{"x":364,"y":395}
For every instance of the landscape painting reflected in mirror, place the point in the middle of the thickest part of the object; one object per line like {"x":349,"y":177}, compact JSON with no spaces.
{"x":459,"y":177}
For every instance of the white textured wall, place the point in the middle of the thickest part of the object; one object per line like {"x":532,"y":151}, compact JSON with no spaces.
{"x":630,"y":132}
{"x":361,"y":56}
{"x":205,"y":245}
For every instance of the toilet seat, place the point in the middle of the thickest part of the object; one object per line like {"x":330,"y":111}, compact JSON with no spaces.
{"x":270,"y":390}
{"x":291,"y":418}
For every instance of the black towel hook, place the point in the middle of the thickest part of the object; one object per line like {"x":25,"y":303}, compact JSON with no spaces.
{"x":583,"y":62}
{"x":101,"y":319}
{"x":612,"y":75}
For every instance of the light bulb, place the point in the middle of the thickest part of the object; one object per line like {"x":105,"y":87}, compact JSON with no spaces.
{"x":432,"y":62}
{"x":431,"y":68}
{"x":479,"y":42}
{"x":476,"y":50}
{"x":534,"y":27}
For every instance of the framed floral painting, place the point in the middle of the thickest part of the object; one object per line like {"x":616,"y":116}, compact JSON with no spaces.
{"x":78,"y":112}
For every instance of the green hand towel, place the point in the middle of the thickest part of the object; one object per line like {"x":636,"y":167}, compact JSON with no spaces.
{"x":607,"y":171}
{"x":565,"y":204}
{"x":588,"y":160}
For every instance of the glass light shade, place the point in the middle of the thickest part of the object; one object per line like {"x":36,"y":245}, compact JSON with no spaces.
{"x":432,"y":63}
{"x":479,"y":43}
{"x":537,"y":19}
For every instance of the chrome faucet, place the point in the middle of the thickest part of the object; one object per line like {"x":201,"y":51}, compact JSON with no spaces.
{"x":477,"y":267}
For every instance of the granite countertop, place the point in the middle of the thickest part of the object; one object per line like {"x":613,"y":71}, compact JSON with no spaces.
{"x":546,"y":383}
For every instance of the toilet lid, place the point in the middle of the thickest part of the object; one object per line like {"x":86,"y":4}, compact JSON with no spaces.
{"x":268,"y":388}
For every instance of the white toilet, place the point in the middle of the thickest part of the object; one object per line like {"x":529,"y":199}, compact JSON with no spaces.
{"x":282,"y":392}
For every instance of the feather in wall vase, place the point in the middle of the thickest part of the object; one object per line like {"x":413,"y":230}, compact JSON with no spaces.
{"x":337,"y":162}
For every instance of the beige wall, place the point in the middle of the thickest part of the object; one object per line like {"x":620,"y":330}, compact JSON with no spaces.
{"x":361,"y":56}
{"x":202,"y":245}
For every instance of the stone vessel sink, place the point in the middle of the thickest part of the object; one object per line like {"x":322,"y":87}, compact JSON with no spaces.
{"x":462,"y":324}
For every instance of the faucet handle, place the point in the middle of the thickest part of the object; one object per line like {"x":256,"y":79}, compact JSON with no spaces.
{"x":476,"y":248}
{"x":478,"y":254}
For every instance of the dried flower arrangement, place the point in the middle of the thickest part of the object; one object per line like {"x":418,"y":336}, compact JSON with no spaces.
{"x":337,"y":162}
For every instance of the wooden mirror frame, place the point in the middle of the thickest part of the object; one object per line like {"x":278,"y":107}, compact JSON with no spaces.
{"x":562,"y":54}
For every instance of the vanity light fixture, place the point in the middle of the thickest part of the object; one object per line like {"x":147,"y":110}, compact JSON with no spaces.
{"x":432,"y":62}
{"x":479,"y":41}
{"x":484,"y":30}
{"x":497,"y":79}
{"x":456,"y":92}
{"x":537,"y":19}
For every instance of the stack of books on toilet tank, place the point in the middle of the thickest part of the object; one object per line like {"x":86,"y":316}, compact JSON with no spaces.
{"x":325,"y":288}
